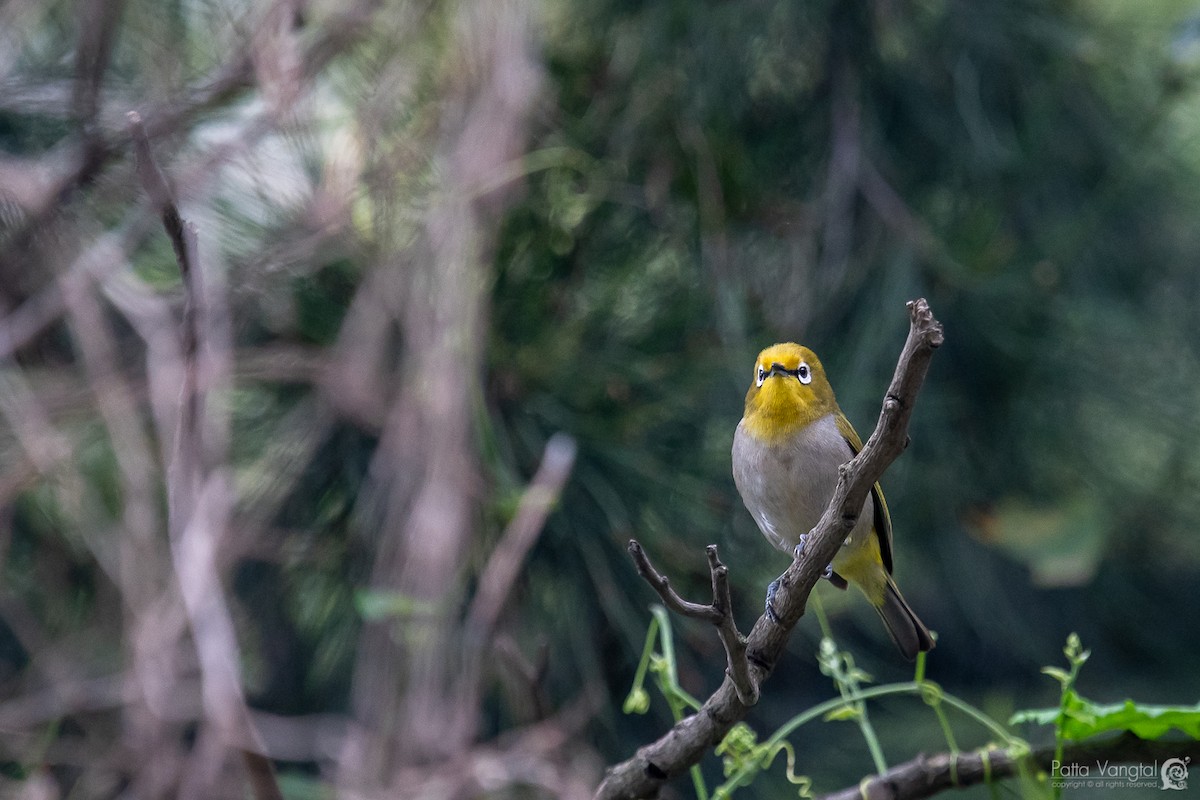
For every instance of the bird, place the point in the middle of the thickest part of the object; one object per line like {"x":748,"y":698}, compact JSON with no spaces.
{"x":787,"y":450}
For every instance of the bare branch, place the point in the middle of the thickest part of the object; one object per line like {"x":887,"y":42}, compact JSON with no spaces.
{"x":719,"y":613}
{"x":200,"y":502}
{"x":688,"y":741}
{"x":926,"y":776}
{"x":662,"y":584}
{"x":737,"y":665}
{"x":154,"y":183}
{"x":857,"y":476}
{"x":504,"y":565}
{"x":897,"y":215}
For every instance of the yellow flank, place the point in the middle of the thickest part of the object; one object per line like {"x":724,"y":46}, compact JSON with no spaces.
{"x":778,"y":409}
{"x":862,"y":565}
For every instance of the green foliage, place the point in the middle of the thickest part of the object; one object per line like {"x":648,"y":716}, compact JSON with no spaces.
{"x":1077,"y":718}
{"x":1083,"y":718}
{"x":662,"y":666}
{"x":744,"y":758}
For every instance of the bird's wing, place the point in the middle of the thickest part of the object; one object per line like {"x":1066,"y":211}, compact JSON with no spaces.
{"x":883,"y":520}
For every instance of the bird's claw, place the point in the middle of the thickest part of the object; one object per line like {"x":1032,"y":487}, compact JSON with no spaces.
{"x":827,"y":573}
{"x":801,"y":543}
{"x":772,"y":588}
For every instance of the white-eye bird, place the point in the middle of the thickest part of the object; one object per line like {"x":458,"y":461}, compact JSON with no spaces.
{"x":786,"y":453}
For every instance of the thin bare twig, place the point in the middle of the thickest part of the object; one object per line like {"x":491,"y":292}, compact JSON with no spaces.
{"x":692,"y":737}
{"x":719,"y":613}
{"x":662,"y":584}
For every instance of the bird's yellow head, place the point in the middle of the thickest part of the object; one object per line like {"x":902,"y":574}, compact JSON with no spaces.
{"x":789,"y":391}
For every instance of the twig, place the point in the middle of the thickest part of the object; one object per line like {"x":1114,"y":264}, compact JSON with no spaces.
{"x":530,"y":674}
{"x":897,"y":214}
{"x":926,"y":776}
{"x":96,"y":153}
{"x":154,"y":183}
{"x":688,"y":741}
{"x":504,"y":564}
{"x":719,"y":613}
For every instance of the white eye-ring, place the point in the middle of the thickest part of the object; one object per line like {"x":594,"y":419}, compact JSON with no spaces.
{"x":803,"y":373}
{"x":760,"y":376}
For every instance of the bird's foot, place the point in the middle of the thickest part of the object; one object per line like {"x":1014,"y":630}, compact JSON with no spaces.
{"x":772,"y":588}
{"x":800,"y":545}
{"x":828,"y":573}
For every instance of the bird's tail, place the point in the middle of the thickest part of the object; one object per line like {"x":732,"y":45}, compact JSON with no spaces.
{"x":906,"y":629}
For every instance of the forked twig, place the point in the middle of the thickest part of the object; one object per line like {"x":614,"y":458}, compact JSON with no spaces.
{"x":719,"y":613}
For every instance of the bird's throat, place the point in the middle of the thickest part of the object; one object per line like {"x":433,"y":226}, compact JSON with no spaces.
{"x":775,"y":412}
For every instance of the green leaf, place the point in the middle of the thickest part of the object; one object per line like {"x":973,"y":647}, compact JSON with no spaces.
{"x":1059,"y":675}
{"x":1085,"y":719}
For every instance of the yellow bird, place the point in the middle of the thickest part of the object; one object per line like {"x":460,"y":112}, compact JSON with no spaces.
{"x":786,"y":454}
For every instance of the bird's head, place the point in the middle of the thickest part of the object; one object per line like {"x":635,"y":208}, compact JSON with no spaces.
{"x":788,"y":391}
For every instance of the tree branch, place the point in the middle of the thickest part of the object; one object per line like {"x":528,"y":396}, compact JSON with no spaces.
{"x":686,"y":743}
{"x":926,"y":776}
{"x":719,"y":613}
{"x":199,"y":499}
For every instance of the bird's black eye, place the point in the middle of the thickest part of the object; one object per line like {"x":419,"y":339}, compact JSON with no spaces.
{"x":760,"y":376}
{"x":804,"y":373}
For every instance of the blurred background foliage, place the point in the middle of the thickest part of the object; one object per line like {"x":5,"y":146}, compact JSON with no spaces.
{"x":701,"y":179}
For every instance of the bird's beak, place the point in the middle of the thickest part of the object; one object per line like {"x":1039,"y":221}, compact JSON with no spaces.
{"x":779,"y":369}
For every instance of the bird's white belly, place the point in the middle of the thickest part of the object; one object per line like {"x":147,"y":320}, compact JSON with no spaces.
{"x":787,"y":486}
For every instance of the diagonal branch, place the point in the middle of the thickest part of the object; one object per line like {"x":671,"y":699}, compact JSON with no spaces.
{"x":503,"y":567}
{"x":691,"y":738}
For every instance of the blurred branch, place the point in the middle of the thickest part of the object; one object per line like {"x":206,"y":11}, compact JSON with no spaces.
{"x":63,"y":698}
{"x":98,"y":21}
{"x":425,"y":468}
{"x":89,"y":157}
{"x":719,"y":613}
{"x":927,"y":776}
{"x":686,"y":743}
{"x":199,"y":499}
{"x":504,"y":564}
{"x":139,"y":565}
{"x":154,"y":183}
{"x":544,"y":757}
